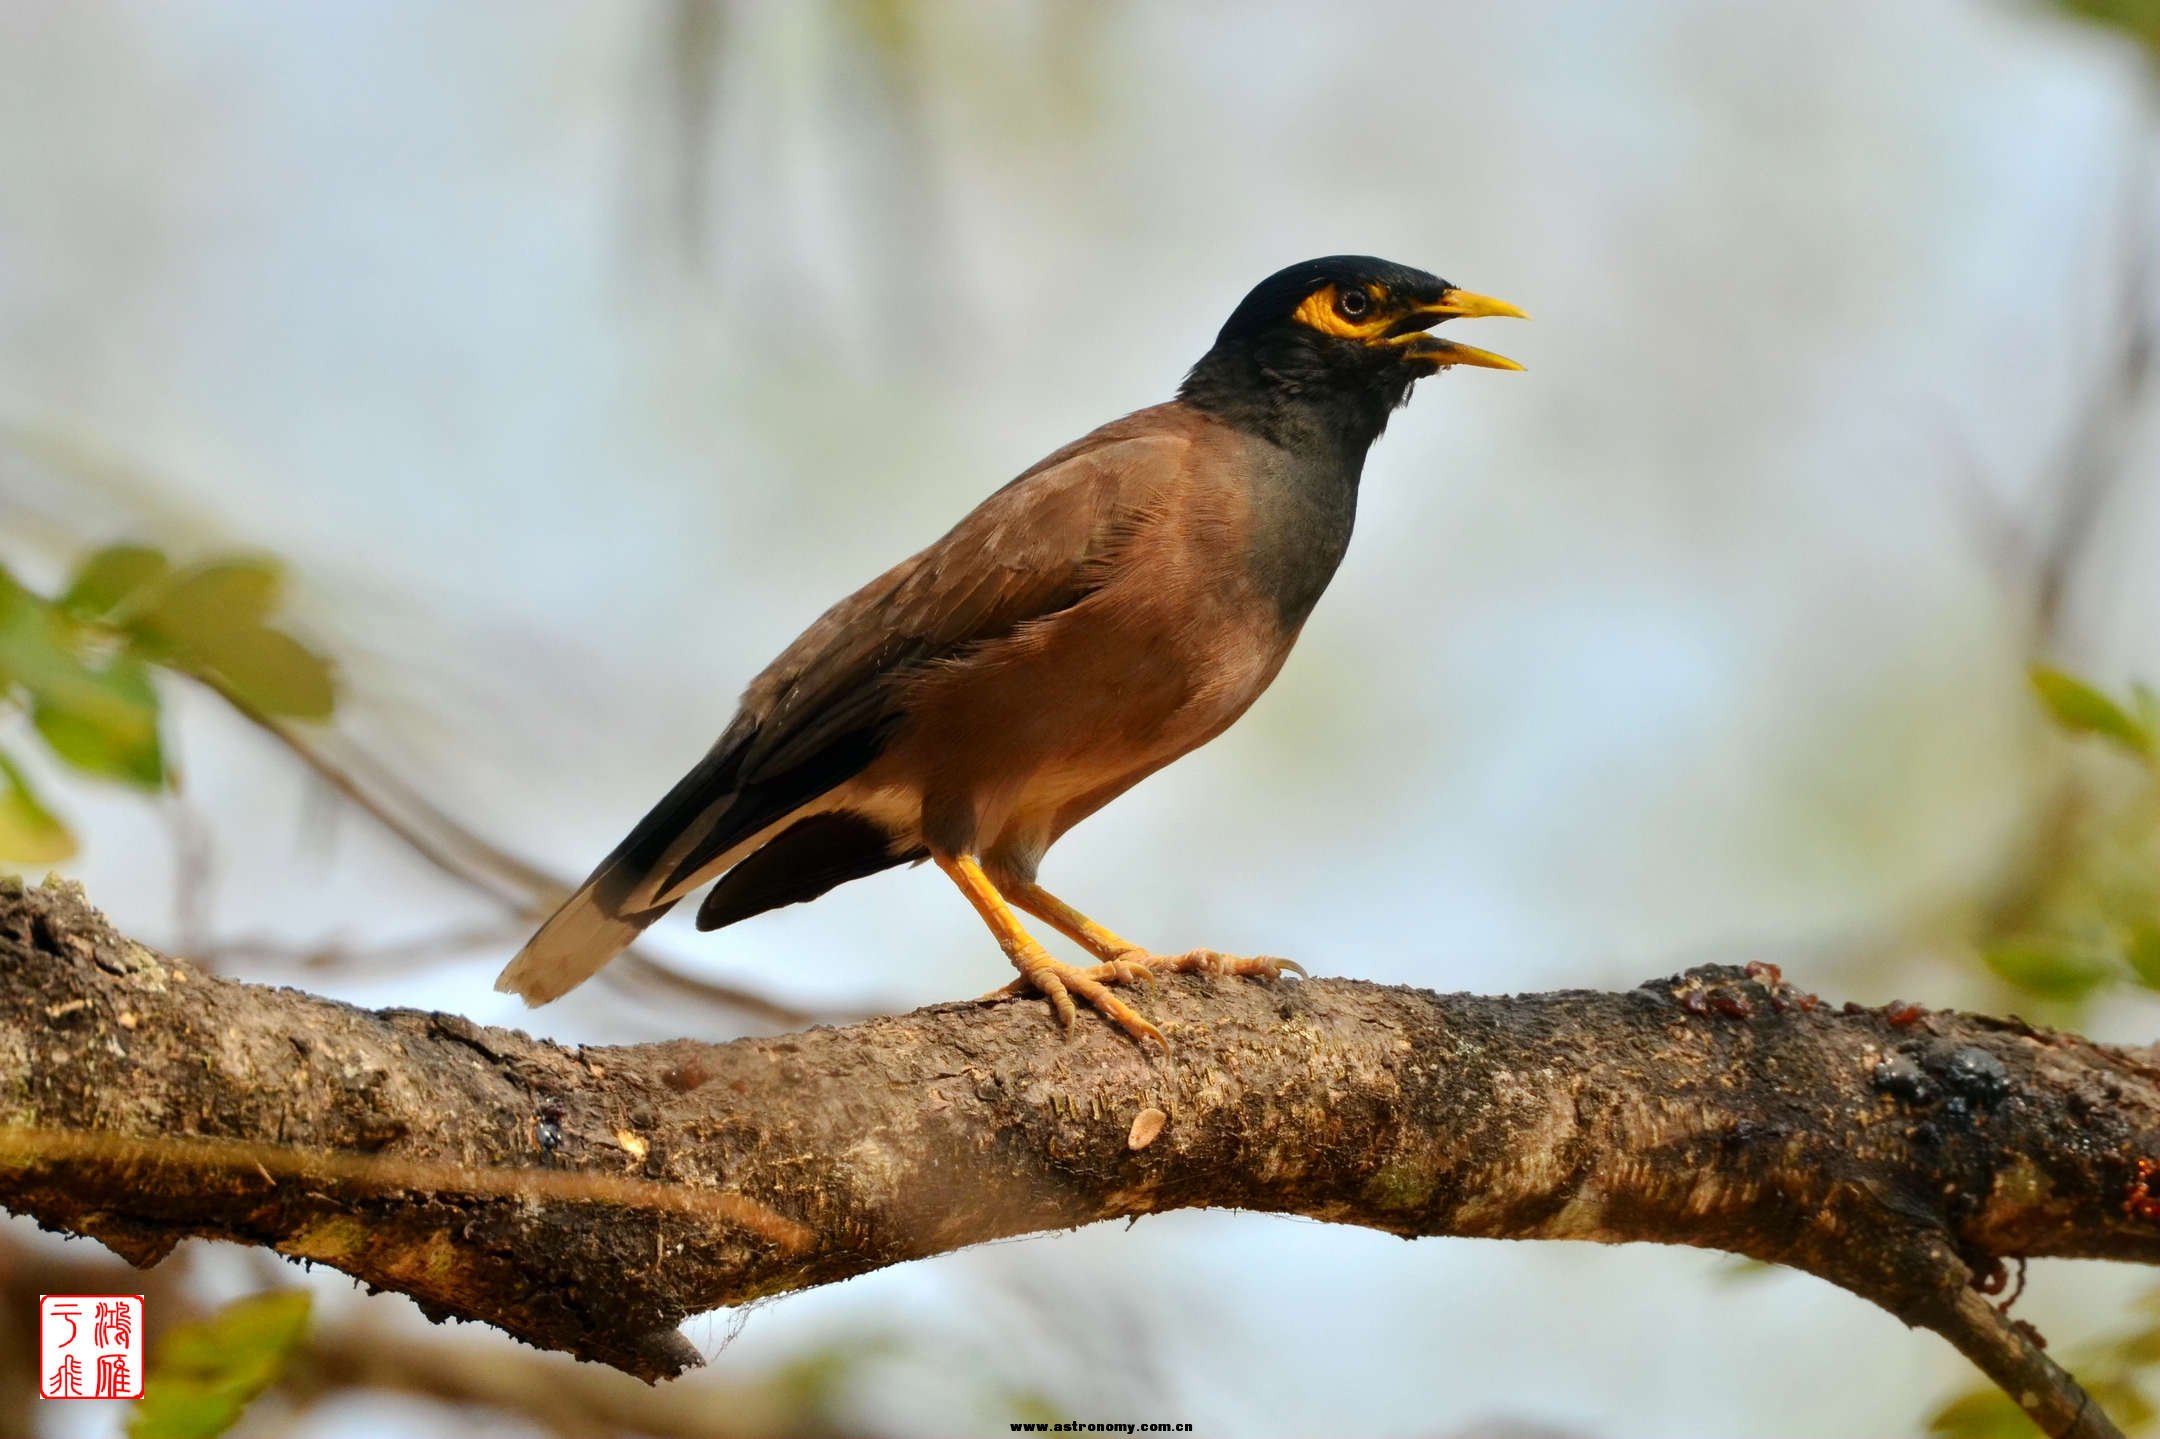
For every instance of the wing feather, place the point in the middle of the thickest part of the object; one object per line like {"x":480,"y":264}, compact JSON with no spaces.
{"x":822,"y":711}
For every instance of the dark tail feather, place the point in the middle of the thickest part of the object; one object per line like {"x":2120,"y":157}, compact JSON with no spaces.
{"x":800,"y":863}
{"x":569,"y":949}
{"x":711,"y":811}
{"x":621,"y":898}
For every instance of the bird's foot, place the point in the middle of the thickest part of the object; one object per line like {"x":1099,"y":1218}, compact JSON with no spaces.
{"x":1138,"y":966}
{"x":1215,"y":962}
{"x":1062,"y":984}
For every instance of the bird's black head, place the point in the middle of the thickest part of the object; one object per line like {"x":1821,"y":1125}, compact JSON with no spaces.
{"x":1329,"y":347}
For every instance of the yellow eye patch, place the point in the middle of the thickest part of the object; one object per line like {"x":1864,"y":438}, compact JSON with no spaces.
{"x":1318,"y":312}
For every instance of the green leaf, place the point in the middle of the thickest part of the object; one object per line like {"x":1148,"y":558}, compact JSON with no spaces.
{"x":2137,"y":19}
{"x":2142,"y":950}
{"x":1982,"y":1414}
{"x":2050,"y":969}
{"x":2122,"y":1401}
{"x":116,"y":738}
{"x":110,"y":578}
{"x":2138,"y":1349}
{"x":29,"y":833}
{"x":23,"y":636}
{"x":99,"y":716}
{"x":208,"y":622}
{"x":212,"y":601}
{"x":272,"y":672}
{"x":37,"y":649}
{"x":2148,"y":707}
{"x":2080,"y":708}
{"x":205,"y":1374}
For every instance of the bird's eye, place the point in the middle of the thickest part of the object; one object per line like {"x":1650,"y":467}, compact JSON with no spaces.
{"x":1353,"y":304}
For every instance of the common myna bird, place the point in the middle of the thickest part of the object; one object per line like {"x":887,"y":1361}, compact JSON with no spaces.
{"x":1113,"y":608}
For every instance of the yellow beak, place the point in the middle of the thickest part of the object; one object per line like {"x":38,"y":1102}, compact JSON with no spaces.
{"x":1455,"y":305}
{"x":1462,"y":305}
{"x":1441,"y":353}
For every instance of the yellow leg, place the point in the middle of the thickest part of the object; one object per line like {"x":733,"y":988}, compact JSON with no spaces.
{"x":1106,"y":945}
{"x":1121,"y":957}
{"x":1055,"y":981}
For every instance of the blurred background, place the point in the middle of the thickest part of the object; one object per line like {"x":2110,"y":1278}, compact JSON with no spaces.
{"x":560,"y":362}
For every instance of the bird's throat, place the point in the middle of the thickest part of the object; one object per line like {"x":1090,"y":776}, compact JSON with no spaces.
{"x":1304,"y":504}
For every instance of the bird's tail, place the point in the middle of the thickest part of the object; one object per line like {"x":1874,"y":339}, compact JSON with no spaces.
{"x":631,"y":887}
{"x":581,"y":936}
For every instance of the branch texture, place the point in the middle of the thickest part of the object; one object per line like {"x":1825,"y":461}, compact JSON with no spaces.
{"x":588,"y":1200}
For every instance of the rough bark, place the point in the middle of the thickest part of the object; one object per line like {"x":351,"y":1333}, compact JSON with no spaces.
{"x":588,"y":1200}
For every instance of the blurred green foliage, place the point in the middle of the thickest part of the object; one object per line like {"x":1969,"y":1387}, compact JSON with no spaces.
{"x":81,"y":666}
{"x":29,"y":834}
{"x":205,"y":1373}
{"x":2140,"y":19}
{"x":2082,"y":709}
{"x":2095,"y":922}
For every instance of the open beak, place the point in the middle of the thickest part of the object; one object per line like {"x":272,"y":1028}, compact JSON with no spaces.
{"x":1409,"y":332}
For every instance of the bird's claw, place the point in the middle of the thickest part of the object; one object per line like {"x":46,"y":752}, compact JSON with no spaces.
{"x":1133,"y":966}
{"x":1239,"y":966}
{"x":1111,"y":971}
{"x":1061,"y":983}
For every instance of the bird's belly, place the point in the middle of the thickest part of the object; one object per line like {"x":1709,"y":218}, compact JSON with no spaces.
{"x":1021,"y":741}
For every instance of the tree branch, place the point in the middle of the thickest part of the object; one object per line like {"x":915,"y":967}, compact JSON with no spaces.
{"x":588,"y":1200}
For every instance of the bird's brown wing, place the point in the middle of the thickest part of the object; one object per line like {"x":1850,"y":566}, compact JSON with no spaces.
{"x":824,"y":710}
